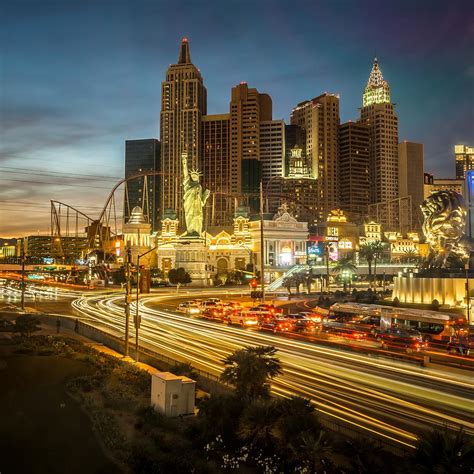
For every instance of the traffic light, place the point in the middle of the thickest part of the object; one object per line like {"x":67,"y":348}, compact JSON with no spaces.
{"x":253,"y":283}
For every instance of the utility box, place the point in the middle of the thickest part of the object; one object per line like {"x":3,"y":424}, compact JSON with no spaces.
{"x":172,"y":395}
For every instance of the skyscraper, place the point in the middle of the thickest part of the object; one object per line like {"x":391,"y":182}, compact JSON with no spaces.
{"x":183,"y":102}
{"x":354,"y":170}
{"x":140,"y":156}
{"x":272,"y":158}
{"x":378,"y":113}
{"x":247,"y":109}
{"x":319,"y":117}
{"x":216,"y":168}
{"x":411,"y":178}
{"x":464,"y":160}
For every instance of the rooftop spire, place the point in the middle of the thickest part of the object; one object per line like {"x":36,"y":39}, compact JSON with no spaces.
{"x":184,"y":55}
{"x":377,"y":90}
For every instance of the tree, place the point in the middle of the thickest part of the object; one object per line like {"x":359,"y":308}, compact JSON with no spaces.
{"x":249,"y":369}
{"x":444,"y":452}
{"x":288,"y":283}
{"x":256,"y":424}
{"x":296,"y":415}
{"x":345,"y":266}
{"x":378,"y":250}
{"x":179,"y":276}
{"x":219,"y":415}
{"x":410,"y":255}
{"x":26,"y":324}
{"x":370,"y":252}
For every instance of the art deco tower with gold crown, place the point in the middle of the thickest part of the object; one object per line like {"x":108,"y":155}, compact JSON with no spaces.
{"x":379,"y":114}
{"x":183,"y":103}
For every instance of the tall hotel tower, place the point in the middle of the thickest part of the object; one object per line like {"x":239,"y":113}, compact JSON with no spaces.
{"x":183,"y":102}
{"x":319,"y":118}
{"x":378,"y":113}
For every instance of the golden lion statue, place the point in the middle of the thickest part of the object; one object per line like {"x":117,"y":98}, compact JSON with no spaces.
{"x":444,"y":229}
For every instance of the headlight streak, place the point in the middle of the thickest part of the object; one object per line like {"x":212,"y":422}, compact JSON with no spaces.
{"x":337,"y":390}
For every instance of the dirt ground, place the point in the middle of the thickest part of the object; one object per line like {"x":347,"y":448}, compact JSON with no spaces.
{"x":43,"y":430}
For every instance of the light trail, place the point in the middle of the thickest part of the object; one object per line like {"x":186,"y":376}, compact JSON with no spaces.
{"x":388,"y":398}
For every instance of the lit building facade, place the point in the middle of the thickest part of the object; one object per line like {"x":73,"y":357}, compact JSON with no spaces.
{"x":354,"y":170}
{"x":247,"y":109}
{"x":411,"y":178}
{"x":272,"y":158}
{"x":379,"y":114}
{"x":141,"y":156}
{"x":217,"y":169}
{"x":137,"y":235}
{"x":433,"y":185}
{"x":339,"y":235}
{"x":183,"y":103}
{"x":285,"y":241}
{"x":464,"y":156}
{"x":319,"y":118}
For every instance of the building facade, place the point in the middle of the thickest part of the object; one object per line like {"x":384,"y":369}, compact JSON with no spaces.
{"x":354,"y":170}
{"x":183,"y":103}
{"x":272,"y":159}
{"x":142,"y":156}
{"x":464,"y":156}
{"x":378,"y":113}
{"x":433,"y":185}
{"x":319,"y":118}
{"x":411,"y":178}
{"x":217,"y":169}
{"x":247,"y":109}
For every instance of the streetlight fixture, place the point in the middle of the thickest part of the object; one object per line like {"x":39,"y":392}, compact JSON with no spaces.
{"x":137,"y":314}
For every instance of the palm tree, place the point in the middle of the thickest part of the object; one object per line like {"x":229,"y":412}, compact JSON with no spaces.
{"x":366,"y":251}
{"x":296,"y":415}
{"x":444,"y":452}
{"x":344,"y":266}
{"x":411,"y":255}
{"x":378,"y":249}
{"x":256,"y":424}
{"x":249,"y":369}
{"x":313,"y":449}
{"x":370,"y":252}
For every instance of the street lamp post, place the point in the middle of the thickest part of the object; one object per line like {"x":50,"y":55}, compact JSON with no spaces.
{"x":128,"y":296}
{"x":137,"y":314}
{"x":468,"y":301}
{"x":262,"y":245}
{"x":23,"y":257}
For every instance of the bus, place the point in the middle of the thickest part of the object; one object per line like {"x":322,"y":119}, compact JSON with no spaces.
{"x":433,"y":325}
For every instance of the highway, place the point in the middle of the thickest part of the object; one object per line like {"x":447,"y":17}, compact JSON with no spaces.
{"x":390,"y":399}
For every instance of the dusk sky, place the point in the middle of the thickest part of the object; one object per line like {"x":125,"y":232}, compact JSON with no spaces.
{"x":78,"y":78}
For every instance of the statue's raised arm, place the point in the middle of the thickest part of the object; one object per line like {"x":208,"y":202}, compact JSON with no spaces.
{"x":184,"y":159}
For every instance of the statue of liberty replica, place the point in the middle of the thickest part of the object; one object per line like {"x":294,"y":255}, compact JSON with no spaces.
{"x":194,"y":199}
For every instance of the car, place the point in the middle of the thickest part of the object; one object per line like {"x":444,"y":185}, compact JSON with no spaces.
{"x":305,"y":325}
{"x":214,"y":300}
{"x":189,"y":308}
{"x":313,"y":316}
{"x":215,"y":314}
{"x":209,"y":304}
{"x":460,"y":345}
{"x":409,"y":339}
{"x":271,"y":308}
{"x":343,"y":330}
{"x":184,"y":305}
{"x":162,"y":283}
{"x":277,"y":325}
{"x":243,"y":318}
{"x":295,"y":316}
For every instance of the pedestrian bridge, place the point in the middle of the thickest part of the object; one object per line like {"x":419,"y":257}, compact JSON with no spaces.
{"x":388,"y":269}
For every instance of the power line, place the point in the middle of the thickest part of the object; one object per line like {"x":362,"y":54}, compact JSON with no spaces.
{"x":86,"y":176}
{"x":54,"y":184}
